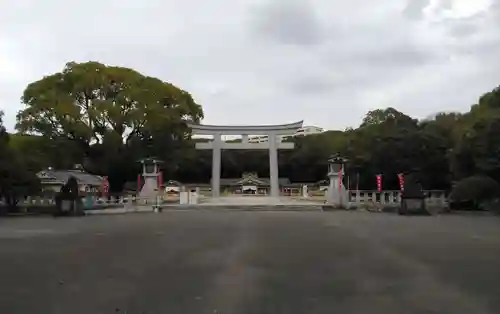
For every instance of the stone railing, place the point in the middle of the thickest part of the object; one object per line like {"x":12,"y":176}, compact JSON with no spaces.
{"x":358,"y":198}
{"x":393,"y":198}
{"x":94,"y":201}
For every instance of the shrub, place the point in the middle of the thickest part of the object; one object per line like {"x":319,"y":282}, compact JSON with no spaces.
{"x":474,"y":191}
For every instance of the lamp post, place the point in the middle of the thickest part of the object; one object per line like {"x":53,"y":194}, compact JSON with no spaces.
{"x":337,"y":193}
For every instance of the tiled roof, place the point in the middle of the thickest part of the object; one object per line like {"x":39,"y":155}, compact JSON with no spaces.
{"x":62,"y":176}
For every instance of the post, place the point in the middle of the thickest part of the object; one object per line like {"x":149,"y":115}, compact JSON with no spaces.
{"x":273,"y":166}
{"x":443,"y":199}
{"x":216,"y":165}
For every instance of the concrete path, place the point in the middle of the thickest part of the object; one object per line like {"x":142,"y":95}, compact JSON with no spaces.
{"x":251,"y":200}
{"x":250,"y":262}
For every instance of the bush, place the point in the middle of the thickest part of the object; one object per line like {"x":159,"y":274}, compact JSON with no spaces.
{"x":473,"y":192}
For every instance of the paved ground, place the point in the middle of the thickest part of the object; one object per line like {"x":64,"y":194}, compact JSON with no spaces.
{"x":250,"y":262}
{"x":239,"y":200}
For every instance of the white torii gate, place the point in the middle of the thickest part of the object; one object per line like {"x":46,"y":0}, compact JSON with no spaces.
{"x":273,"y":144}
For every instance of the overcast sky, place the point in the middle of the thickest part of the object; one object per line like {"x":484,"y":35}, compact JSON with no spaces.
{"x":267,"y":61}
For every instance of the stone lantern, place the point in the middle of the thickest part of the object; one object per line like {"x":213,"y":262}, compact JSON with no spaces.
{"x":150,"y":174}
{"x":336,"y":196}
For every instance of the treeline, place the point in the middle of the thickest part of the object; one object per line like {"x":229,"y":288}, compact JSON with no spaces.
{"x":106,"y":118}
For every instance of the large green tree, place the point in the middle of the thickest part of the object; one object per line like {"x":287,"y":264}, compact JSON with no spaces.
{"x":385,"y":116}
{"x":476,"y":136}
{"x":114,"y":115}
{"x":91,"y":102}
{"x":16,"y":177}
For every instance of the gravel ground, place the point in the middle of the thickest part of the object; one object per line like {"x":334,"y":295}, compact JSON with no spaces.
{"x":250,"y":262}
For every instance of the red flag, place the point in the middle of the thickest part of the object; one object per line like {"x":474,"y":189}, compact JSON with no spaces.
{"x":379,"y":182}
{"x":105,"y":186}
{"x":401,"y":181}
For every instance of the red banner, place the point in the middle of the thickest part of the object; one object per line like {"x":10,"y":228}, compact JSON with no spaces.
{"x":379,"y":182}
{"x":160,"y":180}
{"x":105,"y":186}
{"x":401,"y":181}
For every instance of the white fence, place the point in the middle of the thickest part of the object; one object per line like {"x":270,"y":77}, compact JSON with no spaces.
{"x":95,"y":201}
{"x":393,"y":198}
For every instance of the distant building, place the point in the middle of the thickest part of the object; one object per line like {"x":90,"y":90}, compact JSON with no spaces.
{"x":173,"y":187}
{"x":258,"y":139}
{"x":251,"y":183}
{"x":304,"y":131}
{"x":53,"y":180}
{"x":308,"y":130}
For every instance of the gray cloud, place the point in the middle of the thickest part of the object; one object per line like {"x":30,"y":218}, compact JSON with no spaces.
{"x":288,"y":21}
{"x":264,"y":61}
{"x":464,"y":29}
{"x":444,"y":4}
{"x":311,"y":84}
{"x":414,"y":9}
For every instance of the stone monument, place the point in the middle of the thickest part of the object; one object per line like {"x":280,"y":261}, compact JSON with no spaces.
{"x":150,"y":174}
{"x":336,"y":194}
{"x":68,"y":202}
{"x":412,"y":198}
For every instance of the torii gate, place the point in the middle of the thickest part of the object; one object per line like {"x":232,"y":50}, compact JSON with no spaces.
{"x":273,"y":144}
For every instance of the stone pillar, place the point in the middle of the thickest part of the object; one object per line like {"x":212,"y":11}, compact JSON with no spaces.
{"x":305,"y":192}
{"x":443,"y":199}
{"x":391,"y":198}
{"x":216,"y":165}
{"x":273,"y":166}
{"x":333,"y":190}
{"x":244,"y":138}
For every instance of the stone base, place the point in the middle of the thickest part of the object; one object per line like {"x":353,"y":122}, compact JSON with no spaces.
{"x":413,"y":207}
{"x":69,"y":208}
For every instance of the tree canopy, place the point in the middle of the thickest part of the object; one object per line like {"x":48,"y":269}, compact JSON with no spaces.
{"x":90,"y":103}
{"x":104,"y":117}
{"x":15,"y":176}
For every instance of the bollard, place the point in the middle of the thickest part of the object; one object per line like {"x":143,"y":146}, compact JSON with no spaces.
{"x":157,"y":205}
